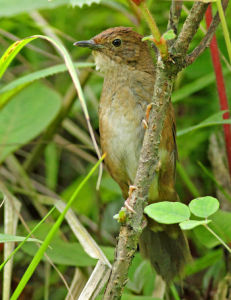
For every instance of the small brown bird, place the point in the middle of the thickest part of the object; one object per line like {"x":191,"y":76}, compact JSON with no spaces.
{"x":129,"y":77}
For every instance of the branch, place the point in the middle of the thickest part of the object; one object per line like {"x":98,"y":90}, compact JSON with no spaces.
{"x":148,"y":166}
{"x":207,"y":38}
{"x":174,"y":15}
{"x":166,"y":72}
{"x":189,"y":29}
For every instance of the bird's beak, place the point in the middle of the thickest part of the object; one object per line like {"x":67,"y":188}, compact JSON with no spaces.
{"x":88,"y":44}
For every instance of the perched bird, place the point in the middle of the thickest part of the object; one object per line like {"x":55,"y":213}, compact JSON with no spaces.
{"x":129,"y":77}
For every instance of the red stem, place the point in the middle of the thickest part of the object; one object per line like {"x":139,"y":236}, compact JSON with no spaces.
{"x":220,"y":86}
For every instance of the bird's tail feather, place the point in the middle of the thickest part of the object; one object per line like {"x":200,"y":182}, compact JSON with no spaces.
{"x":168,"y":254}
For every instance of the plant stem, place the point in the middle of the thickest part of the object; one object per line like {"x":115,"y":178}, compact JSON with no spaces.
{"x":217,"y":237}
{"x":224,"y":28}
{"x":224,"y":105}
{"x":38,"y":256}
{"x":149,"y":160}
{"x":26,"y":238}
{"x":174,"y":292}
{"x":159,"y":42}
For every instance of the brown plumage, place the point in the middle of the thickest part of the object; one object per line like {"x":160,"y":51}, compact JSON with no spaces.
{"x":129,"y":77}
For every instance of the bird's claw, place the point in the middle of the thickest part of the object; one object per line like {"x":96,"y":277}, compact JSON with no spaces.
{"x":128,"y":207}
{"x":145,"y":121}
{"x":126,"y":203}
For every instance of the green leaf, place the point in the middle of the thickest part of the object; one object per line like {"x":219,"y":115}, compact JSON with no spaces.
{"x":39,"y":254}
{"x":169,"y":35}
{"x":190,"y":224}
{"x":6,"y":238}
{"x":204,"y":207}
{"x":221,"y":225}
{"x":147,"y":38}
{"x":11,"y":52}
{"x":68,"y":254}
{"x":140,"y":277}
{"x":168,"y":212}
{"x":216,"y":119}
{"x":7,"y":91}
{"x":195,"y":86}
{"x":83,"y":2}
{"x":203,"y":262}
{"x":11,"y":7}
{"x":133,"y":297}
{"x":26,"y":115}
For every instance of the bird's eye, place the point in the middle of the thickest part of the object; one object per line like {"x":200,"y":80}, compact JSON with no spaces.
{"x":116,"y":42}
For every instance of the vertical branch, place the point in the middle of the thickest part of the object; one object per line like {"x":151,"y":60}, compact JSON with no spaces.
{"x":190,"y":27}
{"x":149,"y":159}
{"x":207,"y":38}
{"x":220,"y":87}
{"x":174,"y":15}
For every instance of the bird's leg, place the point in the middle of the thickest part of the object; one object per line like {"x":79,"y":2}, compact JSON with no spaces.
{"x":145,"y":121}
{"x":126,"y":203}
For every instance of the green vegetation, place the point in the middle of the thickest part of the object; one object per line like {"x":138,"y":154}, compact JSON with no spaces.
{"x":48,"y":146}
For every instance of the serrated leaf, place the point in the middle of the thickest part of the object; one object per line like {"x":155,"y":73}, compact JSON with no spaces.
{"x":169,"y":35}
{"x":168,"y":212}
{"x":190,"y":224}
{"x":80,"y":3}
{"x":204,"y":207}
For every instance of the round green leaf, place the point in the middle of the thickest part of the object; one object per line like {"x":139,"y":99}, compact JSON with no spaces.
{"x":190,"y":224}
{"x":168,"y":212}
{"x":204,"y":206}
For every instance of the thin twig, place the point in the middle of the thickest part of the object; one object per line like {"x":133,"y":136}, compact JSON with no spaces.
{"x":129,"y":234}
{"x":174,"y":15}
{"x":207,"y":38}
{"x":166,"y":72}
{"x":189,"y":29}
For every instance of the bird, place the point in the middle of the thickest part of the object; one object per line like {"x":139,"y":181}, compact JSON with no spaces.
{"x":128,"y":67}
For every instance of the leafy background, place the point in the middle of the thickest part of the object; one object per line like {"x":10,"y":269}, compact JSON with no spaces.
{"x":45,"y":148}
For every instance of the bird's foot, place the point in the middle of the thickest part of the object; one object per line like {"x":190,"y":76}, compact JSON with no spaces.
{"x":126,"y":203}
{"x":145,"y":121}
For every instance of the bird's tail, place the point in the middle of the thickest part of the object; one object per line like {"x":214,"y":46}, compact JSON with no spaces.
{"x":167,"y":250}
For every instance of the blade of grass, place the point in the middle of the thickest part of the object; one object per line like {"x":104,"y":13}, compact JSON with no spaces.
{"x":187,"y":180}
{"x":224,"y":27}
{"x":210,"y":175}
{"x":73,"y":74}
{"x":219,"y":76}
{"x":10,"y":226}
{"x":26,"y":238}
{"x":9,"y":90}
{"x":12,"y":51}
{"x":38,"y":256}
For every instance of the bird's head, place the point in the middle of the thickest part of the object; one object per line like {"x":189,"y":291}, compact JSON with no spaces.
{"x":117,"y":47}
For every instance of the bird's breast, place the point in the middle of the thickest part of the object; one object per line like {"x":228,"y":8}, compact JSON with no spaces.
{"x":121,"y":131}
